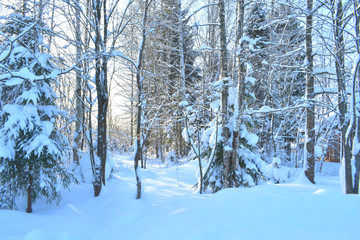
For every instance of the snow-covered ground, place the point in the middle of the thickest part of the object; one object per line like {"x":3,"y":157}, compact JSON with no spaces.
{"x":170,"y":210}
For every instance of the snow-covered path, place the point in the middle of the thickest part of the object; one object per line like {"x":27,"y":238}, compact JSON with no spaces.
{"x":170,"y":210}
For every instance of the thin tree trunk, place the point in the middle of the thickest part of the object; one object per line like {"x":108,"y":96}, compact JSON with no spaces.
{"x":29,"y":193}
{"x":94,"y":165}
{"x":99,"y":89}
{"x":197,"y":150}
{"x":342,"y":101}
{"x":240,"y":85}
{"x":309,"y":163}
{"x":78,"y":90}
{"x":356,"y":110}
{"x":182,"y":77}
{"x":138,"y":148}
{"x":132,"y":119}
{"x":227,"y":172}
{"x":356,"y":120}
{"x":199,"y":153}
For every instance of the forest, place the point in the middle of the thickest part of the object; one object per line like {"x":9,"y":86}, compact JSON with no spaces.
{"x":247,"y":93}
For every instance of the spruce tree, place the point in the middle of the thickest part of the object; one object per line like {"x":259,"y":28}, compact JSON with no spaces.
{"x":255,"y":43}
{"x":31,"y":146}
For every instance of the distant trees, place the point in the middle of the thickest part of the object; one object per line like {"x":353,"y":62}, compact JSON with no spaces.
{"x":232,"y":83}
{"x":284,"y":83}
{"x":97,"y":28}
{"x":338,"y":38}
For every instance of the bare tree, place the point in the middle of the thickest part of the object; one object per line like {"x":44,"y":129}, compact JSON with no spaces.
{"x":103,"y":51}
{"x":140,"y":98}
{"x":355,"y":99}
{"x":79,"y":104}
{"x":240,"y":84}
{"x":227,"y":164}
{"x":339,"y":24}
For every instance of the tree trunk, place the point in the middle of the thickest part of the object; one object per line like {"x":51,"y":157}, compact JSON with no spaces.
{"x":228,"y":168}
{"x":199,"y":153}
{"x":342,"y":95}
{"x":240,"y":85}
{"x":29,"y":193}
{"x":102,"y":134}
{"x":355,"y":93}
{"x":309,"y":157}
{"x":102,"y":101}
{"x":78,"y":90}
{"x":132,"y":119}
{"x":138,"y":148}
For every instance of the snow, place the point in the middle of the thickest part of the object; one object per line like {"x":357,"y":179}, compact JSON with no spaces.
{"x":204,"y":47}
{"x":318,"y":151}
{"x":265,"y":109}
{"x":278,"y":173}
{"x":342,"y":175}
{"x":250,"y":80}
{"x":47,"y":127}
{"x":328,"y":90}
{"x":37,"y":145}
{"x":14,"y":81}
{"x":215,"y":105}
{"x":184,"y":103}
{"x":252,"y":139}
{"x":232,"y":97}
{"x":170,"y":209}
{"x":328,"y":70}
{"x":356,"y":146}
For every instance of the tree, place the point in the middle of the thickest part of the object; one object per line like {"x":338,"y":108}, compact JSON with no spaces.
{"x":140,"y":99}
{"x":231,"y":160}
{"x":309,"y":158}
{"x":339,"y":54}
{"x":356,"y":100}
{"x":79,"y":101}
{"x":31,"y":145}
{"x":105,"y":32}
{"x":240,"y":104}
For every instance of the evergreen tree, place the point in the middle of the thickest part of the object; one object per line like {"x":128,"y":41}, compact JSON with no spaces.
{"x":256,"y":41}
{"x":31,"y":146}
{"x":231,"y":165}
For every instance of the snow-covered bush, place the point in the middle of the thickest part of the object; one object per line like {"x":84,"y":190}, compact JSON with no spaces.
{"x":171,"y":156}
{"x":250,"y":166}
{"x":276,"y":172}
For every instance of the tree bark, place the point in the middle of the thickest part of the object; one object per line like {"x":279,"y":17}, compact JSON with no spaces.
{"x":139,"y":145}
{"x":227,"y":172}
{"x":240,"y":85}
{"x":29,"y":193}
{"x":132,"y":119}
{"x":342,"y":95}
{"x":78,"y":90}
{"x":309,"y":163}
{"x":356,"y":90}
{"x":102,"y":101}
